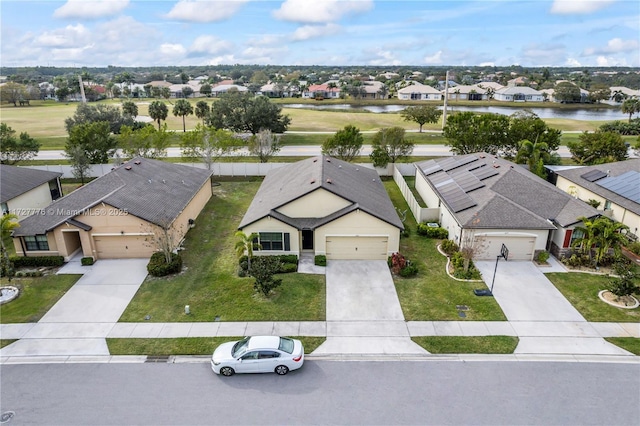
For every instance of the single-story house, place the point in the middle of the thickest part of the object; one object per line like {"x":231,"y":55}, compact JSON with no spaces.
{"x":25,"y":191}
{"x":518,"y":94}
{"x":419,"y":92}
{"x":485,"y":201}
{"x":324,"y":206}
{"x":616,"y":186}
{"x":119,"y":215}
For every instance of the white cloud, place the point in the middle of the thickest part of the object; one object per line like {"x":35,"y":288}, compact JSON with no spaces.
{"x":94,"y":9}
{"x":211,"y":45}
{"x":433,"y":59}
{"x":204,"y":10}
{"x":615,"y":45}
{"x":307,"y":32}
{"x":320,"y":11}
{"x":69,"y":36}
{"x":571,"y":7}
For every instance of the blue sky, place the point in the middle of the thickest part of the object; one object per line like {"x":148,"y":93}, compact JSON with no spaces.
{"x":320,"y":32}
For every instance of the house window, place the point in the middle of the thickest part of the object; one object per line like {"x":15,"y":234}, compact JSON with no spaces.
{"x":274,"y":241}
{"x":38,"y":242}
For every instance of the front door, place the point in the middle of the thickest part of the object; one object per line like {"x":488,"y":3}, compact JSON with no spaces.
{"x":307,"y":239}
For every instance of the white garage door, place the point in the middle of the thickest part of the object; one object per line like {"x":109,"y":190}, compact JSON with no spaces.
{"x":520,"y":247}
{"x":118,"y":247}
{"x":357,"y":248}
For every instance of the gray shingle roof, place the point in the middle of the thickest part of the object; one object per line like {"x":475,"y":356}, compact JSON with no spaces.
{"x":510,"y":196}
{"x":614,"y":169}
{"x":15,"y":181}
{"x":152,"y":190}
{"x":357,"y":184}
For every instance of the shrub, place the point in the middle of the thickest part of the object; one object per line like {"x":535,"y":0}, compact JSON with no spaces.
{"x":86,"y":261}
{"x":320,"y":260}
{"x":542,"y":257}
{"x":158,"y":266}
{"x":23,"y":261}
{"x":432,"y":232}
{"x":449,"y":247}
{"x":409,"y":271}
{"x":634,"y":248}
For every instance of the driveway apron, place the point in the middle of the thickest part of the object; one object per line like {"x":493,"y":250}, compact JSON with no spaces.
{"x":541,"y":316}
{"x":79,"y":322}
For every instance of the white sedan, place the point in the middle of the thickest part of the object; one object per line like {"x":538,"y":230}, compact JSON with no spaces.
{"x":258,"y":354}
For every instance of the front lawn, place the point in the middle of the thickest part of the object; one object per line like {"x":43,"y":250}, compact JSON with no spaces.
{"x":37,"y":296}
{"x":432,"y":295}
{"x":209,"y":283}
{"x":581,"y":290}
{"x":468,"y":344}
{"x":186,"y":345}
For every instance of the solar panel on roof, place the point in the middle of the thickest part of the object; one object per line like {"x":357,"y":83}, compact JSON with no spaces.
{"x":626,"y":185}
{"x":594,"y":175}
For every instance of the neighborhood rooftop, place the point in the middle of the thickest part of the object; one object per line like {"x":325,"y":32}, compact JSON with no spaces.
{"x":18,"y":180}
{"x":152,"y":190}
{"x":356,"y":183}
{"x":484,"y":191}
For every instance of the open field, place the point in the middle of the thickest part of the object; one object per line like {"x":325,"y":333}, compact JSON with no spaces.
{"x":44,"y":121}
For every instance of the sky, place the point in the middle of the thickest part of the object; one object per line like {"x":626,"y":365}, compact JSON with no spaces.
{"x":92,"y":33}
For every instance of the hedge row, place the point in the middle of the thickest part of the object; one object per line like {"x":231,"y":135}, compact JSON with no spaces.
{"x":26,"y":262}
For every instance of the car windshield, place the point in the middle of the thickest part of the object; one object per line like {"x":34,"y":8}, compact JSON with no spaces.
{"x":286,"y":345}
{"x":240,"y":347}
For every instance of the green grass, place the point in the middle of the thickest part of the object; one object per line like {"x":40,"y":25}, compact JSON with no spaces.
{"x":432,"y":295}
{"x":210,"y":285}
{"x":37,"y":296}
{"x":581,"y":290}
{"x":631,"y":344}
{"x":186,"y":345}
{"x":468,"y":345}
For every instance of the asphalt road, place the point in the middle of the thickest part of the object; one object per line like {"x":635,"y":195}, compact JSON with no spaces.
{"x":306,"y":151}
{"x":325,"y":392}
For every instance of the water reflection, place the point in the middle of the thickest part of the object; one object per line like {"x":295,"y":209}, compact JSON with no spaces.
{"x":602,"y":114}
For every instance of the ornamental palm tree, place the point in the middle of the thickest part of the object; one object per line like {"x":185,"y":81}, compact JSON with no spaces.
{"x":8,"y":224}
{"x":246,"y":244}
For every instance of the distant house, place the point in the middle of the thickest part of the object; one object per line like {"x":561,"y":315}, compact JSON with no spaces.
{"x":118,"y":215}
{"x":419,"y":92}
{"x":485,"y":201}
{"x":25,"y":191}
{"x":322,"y":91}
{"x":324,"y":206}
{"x":616,"y":186}
{"x":518,"y":94}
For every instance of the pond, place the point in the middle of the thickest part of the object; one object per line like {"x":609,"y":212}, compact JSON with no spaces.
{"x":599,"y":114}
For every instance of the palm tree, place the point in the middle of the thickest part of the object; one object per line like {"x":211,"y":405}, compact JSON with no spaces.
{"x":8,"y":223}
{"x":246,"y":244}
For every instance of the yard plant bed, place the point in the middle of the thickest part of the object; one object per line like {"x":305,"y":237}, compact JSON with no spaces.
{"x":209,"y":282}
{"x":37,"y":296}
{"x":468,"y":344}
{"x":432,"y":295}
{"x":581,"y":290}
{"x":186,"y":345}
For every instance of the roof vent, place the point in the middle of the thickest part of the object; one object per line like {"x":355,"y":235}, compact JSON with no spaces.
{"x":128,"y":168}
{"x":138,"y":162}
{"x":329,"y":181}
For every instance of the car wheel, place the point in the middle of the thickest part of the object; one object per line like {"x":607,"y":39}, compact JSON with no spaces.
{"x":282,"y":370}
{"x":227,"y":371}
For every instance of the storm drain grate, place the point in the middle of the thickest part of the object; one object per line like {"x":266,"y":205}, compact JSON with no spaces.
{"x":157,"y":358}
{"x":6,"y":416}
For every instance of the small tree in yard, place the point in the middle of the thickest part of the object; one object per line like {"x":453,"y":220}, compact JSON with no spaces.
{"x":263,"y":270}
{"x":246,"y":244}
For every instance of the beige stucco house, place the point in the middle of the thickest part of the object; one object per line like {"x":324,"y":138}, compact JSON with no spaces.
{"x":324,"y":206}
{"x":616,"y":186}
{"x":25,"y":191}
{"x":118,"y":215}
{"x":485,"y":201}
